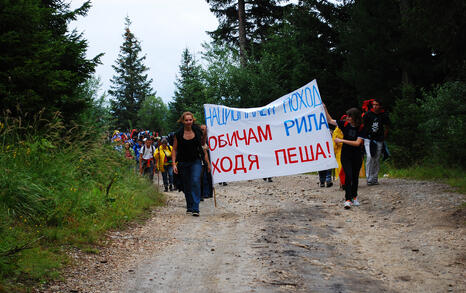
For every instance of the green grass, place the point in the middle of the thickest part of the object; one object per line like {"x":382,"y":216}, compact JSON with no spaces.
{"x":53,"y":196}
{"x":455,"y":177}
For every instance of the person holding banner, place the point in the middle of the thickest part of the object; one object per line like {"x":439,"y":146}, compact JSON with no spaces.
{"x":351,"y":157}
{"x":187,"y":153}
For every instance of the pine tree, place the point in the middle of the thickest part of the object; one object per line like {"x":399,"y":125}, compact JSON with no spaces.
{"x":246,"y":24}
{"x":370,"y":41}
{"x":42,"y":64}
{"x":130,"y":86}
{"x":190,"y":89}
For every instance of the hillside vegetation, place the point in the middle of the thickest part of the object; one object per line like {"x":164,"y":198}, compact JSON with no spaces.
{"x":58,"y":190}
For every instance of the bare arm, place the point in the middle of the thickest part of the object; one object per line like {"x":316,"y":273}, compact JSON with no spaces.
{"x":355,"y":143}
{"x":329,"y":118}
{"x":206,"y":157}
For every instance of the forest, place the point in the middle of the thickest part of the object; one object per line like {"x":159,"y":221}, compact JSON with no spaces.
{"x":408,"y":53}
{"x":53,"y":122}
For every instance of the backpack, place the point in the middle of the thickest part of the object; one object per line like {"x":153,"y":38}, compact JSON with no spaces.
{"x":168,"y":159}
{"x":144,"y":148}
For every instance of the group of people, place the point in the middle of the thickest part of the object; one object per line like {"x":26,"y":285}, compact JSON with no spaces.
{"x":365,"y":131}
{"x":183,"y":159}
{"x":151,"y":153}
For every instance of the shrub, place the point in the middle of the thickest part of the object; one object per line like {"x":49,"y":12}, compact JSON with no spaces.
{"x":443,"y":128}
{"x":54,"y":193}
{"x":405,"y":141}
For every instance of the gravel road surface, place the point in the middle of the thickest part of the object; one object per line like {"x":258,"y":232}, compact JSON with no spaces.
{"x":289,"y":235}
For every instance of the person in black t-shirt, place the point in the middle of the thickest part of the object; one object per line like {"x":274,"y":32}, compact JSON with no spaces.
{"x":187,"y":152}
{"x":351,"y":157}
{"x":376,"y":124}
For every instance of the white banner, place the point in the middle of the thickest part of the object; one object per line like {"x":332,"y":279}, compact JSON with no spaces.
{"x":288,"y":136}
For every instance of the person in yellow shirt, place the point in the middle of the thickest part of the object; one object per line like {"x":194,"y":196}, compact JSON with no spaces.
{"x":163,"y":159}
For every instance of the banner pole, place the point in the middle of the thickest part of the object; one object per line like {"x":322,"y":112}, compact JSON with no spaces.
{"x":215,"y":198}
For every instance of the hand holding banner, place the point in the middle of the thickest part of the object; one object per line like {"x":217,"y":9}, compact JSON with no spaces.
{"x":288,"y":136}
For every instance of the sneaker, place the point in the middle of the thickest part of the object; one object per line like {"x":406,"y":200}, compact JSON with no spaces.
{"x":329,"y":184}
{"x":322,"y":184}
{"x":356,"y":202}
{"x":195,"y":214}
{"x":166,"y":189}
{"x":224,"y":183}
{"x":171,"y":187}
{"x":188,"y":212}
{"x":270,"y":179}
{"x":347,"y":204}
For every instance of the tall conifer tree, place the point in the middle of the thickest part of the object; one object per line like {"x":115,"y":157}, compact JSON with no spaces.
{"x":42,"y":63}
{"x":131,"y":85}
{"x":190,"y":89}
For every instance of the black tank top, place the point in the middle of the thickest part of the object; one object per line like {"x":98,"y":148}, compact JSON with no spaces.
{"x":188,"y":150}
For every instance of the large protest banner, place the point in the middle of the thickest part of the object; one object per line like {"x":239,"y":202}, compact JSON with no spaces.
{"x":288,"y":136}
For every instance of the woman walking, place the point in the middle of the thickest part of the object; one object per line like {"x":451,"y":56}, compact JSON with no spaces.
{"x":351,"y":156}
{"x":187,"y":153}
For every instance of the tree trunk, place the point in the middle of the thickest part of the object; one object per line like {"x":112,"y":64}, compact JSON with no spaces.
{"x":242,"y":32}
{"x":404,"y":8}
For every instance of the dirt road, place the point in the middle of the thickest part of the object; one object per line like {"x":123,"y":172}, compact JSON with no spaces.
{"x":288,"y":236}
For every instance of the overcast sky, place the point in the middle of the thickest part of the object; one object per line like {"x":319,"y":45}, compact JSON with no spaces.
{"x":164,"y":28}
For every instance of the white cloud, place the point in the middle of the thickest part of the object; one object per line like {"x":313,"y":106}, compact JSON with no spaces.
{"x":164,"y":27}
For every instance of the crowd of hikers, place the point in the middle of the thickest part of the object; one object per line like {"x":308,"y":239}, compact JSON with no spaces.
{"x":182,"y":157}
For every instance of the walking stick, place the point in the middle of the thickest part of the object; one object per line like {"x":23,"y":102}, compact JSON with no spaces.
{"x":215,"y":198}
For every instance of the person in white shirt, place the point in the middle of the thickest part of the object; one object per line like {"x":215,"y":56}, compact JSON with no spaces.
{"x":146,"y":159}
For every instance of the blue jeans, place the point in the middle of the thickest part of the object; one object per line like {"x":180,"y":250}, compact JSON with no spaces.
{"x":191,"y":176}
{"x":167,"y":175}
{"x":325,"y":176}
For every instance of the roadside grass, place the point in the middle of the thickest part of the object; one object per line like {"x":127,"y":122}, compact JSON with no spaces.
{"x":454,"y":177}
{"x":58,"y":193}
